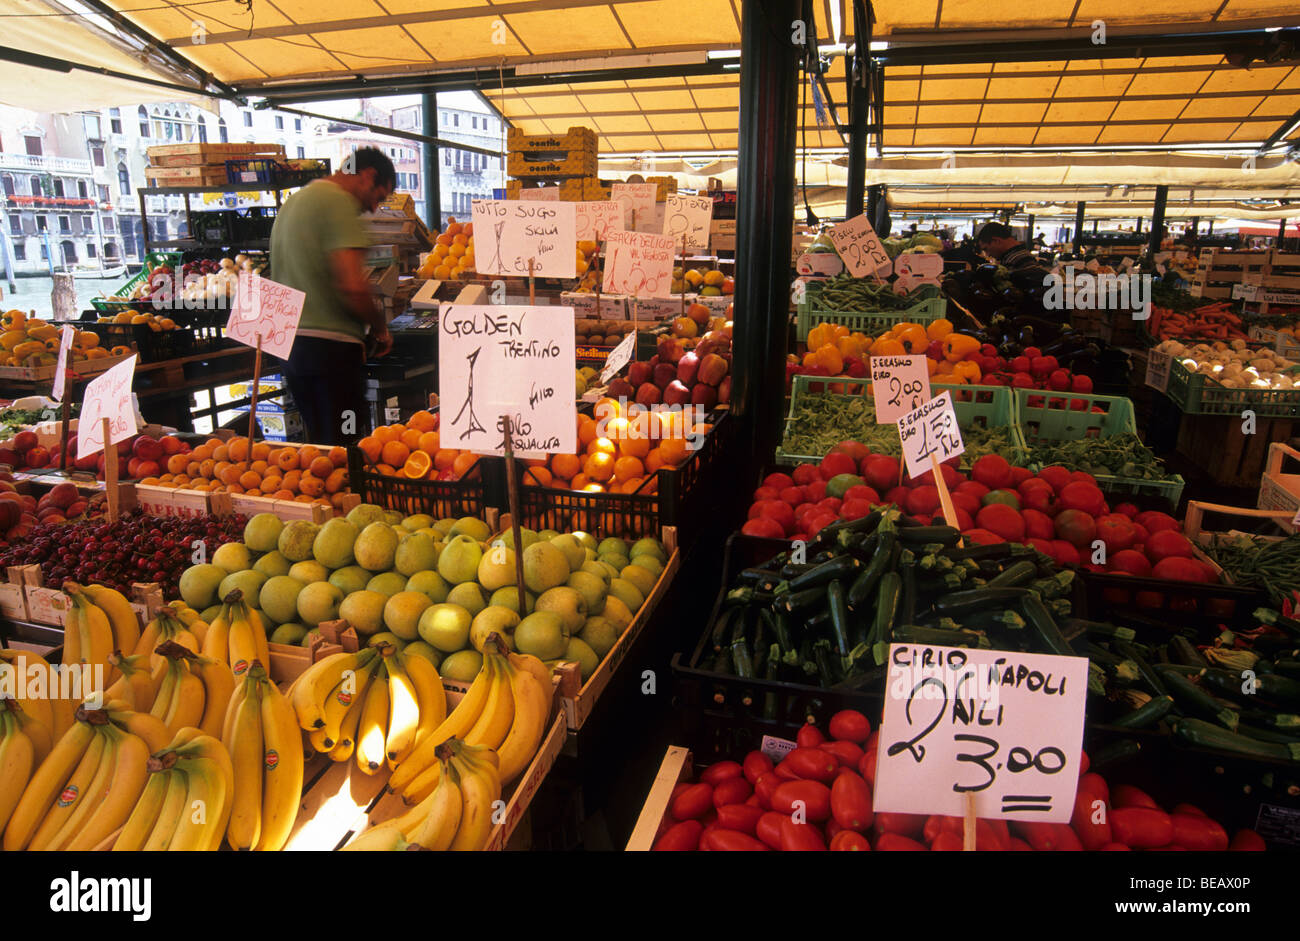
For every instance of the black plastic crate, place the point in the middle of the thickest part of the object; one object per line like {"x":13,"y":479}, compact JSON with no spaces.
{"x":252,"y":170}
{"x":152,"y":345}
{"x":216,"y":226}
{"x":437,"y":498}
{"x":252,"y":224}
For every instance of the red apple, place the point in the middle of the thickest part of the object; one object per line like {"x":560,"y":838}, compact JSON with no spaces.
{"x":664,"y":373}
{"x":686,"y":367}
{"x":638,"y":374}
{"x":713,"y":368}
{"x":648,"y":394}
{"x":676,"y":394}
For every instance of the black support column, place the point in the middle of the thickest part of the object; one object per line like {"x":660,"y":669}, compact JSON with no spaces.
{"x":769,"y":73}
{"x":1158,"y":219}
{"x":1078,"y":227}
{"x":857,"y":78}
{"x":430,"y":156}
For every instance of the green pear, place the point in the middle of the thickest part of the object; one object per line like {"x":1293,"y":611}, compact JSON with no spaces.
{"x":601,"y":634}
{"x":617,"y":612}
{"x":319,"y":602}
{"x":546,"y":535}
{"x":402,"y":613}
{"x":649,"y":546}
{"x":626,"y":592}
{"x":572,"y":550}
{"x":349,"y":579}
{"x":599,"y":569}
{"x":387,"y":583}
{"x":262,"y":532}
{"x":199,"y":585}
{"x":493,"y":619}
{"x":568,"y":603}
{"x":462,"y":666}
{"x":471,"y":526}
{"x":233,"y":557}
{"x":650,"y":563}
{"x":393,"y":518}
{"x":308,"y":571}
{"x":288,"y":634}
{"x":386,"y":637}
{"x":526,"y":536}
{"x":376,"y":547}
{"x":417,"y":522}
{"x":612,"y":545}
{"x":279,"y":598}
{"x":497,"y":568}
{"x":587,"y":659}
{"x":508,"y":597}
{"x":429,"y":582}
{"x":333,"y":545}
{"x":588,"y":555}
{"x":445,"y":627}
{"x":364,"y":610}
{"x":444,"y":526}
{"x":641,"y":578}
{"x":248,"y":582}
{"x":591,"y":587}
{"x":609,"y":570}
{"x":208,"y":614}
{"x":586,"y":540}
{"x":460,"y":559}
{"x":543,"y":635}
{"x":545,"y":566}
{"x":309,"y":637}
{"x":416,"y":552}
{"x":421,"y":648}
{"x":363,"y":514}
{"x":272,"y":564}
{"x":469,"y":596}
{"x":296,"y":540}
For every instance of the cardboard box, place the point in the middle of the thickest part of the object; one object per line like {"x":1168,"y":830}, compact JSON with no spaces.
{"x":655,"y":308}
{"x":277,"y":425}
{"x":717,"y":305}
{"x":46,"y":605}
{"x":13,"y":601}
{"x":612,"y":306}
{"x":167,"y":501}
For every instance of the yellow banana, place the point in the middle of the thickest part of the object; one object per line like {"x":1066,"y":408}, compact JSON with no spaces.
{"x":419,"y":790}
{"x":216,"y":642}
{"x":150,"y":638}
{"x":346,"y":697}
{"x":532,"y":707}
{"x":259,"y":633}
{"x":148,"y":727}
{"x":317,"y":680}
{"x":218,"y":687}
{"x":411,"y":821}
{"x":96,"y":632}
{"x":386,"y":838}
{"x":243,"y":688}
{"x":134,"y":683}
{"x":121,"y":616}
{"x":145,"y":813}
{"x":429,"y":693}
{"x":207,"y":805}
{"x":190,"y":618}
{"x":35,"y":730}
{"x":171,"y":678}
{"x":91,"y":801}
{"x":403,"y":710}
{"x":526,"y":661}
{"x":73,"y":636}
{"x":372,"y":727}
{"x":38,"y":707}
{"x":242,"y":643}
{"x":478,"y":797}
{"x":283,"y":768}
{"x":187,"y":705}
{"x":174,"y":804}
{"x":443,"y":812}
{"x":246,"y":755}
{"x":499,"y":713}
{"x":347,"y":743}
{"x":456,"y":725}
{"x":17,"y":760}
{"x":73,"y":792}
{"x":113,"y":807}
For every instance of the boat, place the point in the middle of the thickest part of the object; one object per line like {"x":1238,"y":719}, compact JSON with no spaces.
{"x":82,"y":272}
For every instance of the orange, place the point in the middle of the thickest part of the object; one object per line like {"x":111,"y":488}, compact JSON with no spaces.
{"x":253,"y":492}
{"x":429,"y":443}
{"x":339,"y":457}
{"x":177,"y":463}
{"x":386,"y":469}
{"x":606,"y":408}
{"x":670,"y":425}
{"x":194,"y":469}
{"x":321,"y":467}
{"x":291,"y":480}
{"x":599,"y":466}
{"x":260,"y":451}
{"x":565,"y":465}
{"x":464,"y":461}
{"x":616,"y":429}
{"x":422,"y":421}
{"x":653,"y":461}
{"x":635,"y":446}
{"x":587,"y":430}
{"x":411,"y":438}
{"x":395,"y":453}
{"x":444,"y":458}
{"x":311,"y":485}
{"x":673,"y":451}
{"x":259,"y":467}
{"x":579,"y":481}
{"x":601,"y":446}
{"x":627,"y":468}
{"x":631,"y":486}
{"x":248,"y":480}
{"x":306,"y":454}
{"x":386,"y":433}
{"x":150,"y":481}
{"x":238,"y":449}
{"x":221,"y":453}
{"x":594,"y":488}
{"x":337,"y":500}
{"x":201,"y":453}
{"x":416,"y":466}
{"x":272,"y":483}
{"x":536,"y":477}
{"x":370,"y":446}
{"x":338,"y":479}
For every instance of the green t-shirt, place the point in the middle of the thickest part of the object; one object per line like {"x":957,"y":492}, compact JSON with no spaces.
{"x":320,"y":218}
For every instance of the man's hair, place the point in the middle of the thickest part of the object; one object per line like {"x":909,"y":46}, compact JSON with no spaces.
{"x":372,"y":158}
{"x":994,"y":230}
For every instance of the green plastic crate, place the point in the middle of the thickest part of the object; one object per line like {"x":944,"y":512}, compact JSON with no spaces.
{"x":1198,"y":395}
{"x":119,"y":299}
{"x":810,"y":315}
{"x":987,"y":407}
{"x":1040,"y":422}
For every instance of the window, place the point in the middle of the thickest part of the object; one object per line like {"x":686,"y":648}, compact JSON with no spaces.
{"x":8,"y":183}
{"x":203,"y":129}
{"x":69,"y":251}
{"x":97,"y":155}
{"x":58,"y":188}
{"x":115,"y":120}
{"x":455,"y":120}
{"x":42,"y":223}
{"x":446,"y":158}
{"x":413,"y":180}
{"x":221,"y":130}
{"x":44,"y":254}
{"x":123,"y":181}
{"x":302,"y":152}
{"x":103,"y":193}
{"x":248,"y":119}
{"x":65,"y":224}
{"x":82,"y":192}
{"x":90,"y":249}
{"x":15,"y":224}
{"x":445,"y":117}
{"x":159,"y":228}
{"x":87,"y":225}
{"x":33,"y":143}
{"x":93,"y":126}
{"x":297,"y":125}
{"x":20,"y":251}
{"x":279,"y":122}
{"x":473,"y":121}
{"x":143,"y":116}
{"x":36,"y":186}
{"x":108,"y":223}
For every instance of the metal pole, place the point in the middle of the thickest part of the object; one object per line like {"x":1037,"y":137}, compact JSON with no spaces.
{"x":431,"y":155}
{"x":1281,"y":231}
{"x":764,"y":218}
{"x":1029,"y":230}
{"x":1158,"y":219}
{"x":1078,"y":227}
{"x":857,"y":78}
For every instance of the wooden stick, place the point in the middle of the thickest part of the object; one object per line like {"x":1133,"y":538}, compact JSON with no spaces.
{"x":683,"y":274}
{"x":595,"y":266}
{"x":252,"y":405}
{"x":110,"y":473}
{"x":512,"y":492}
{"x":945,"y":498}
{"x":532,"y":286}
{"x":65,"y":414}
{"x":968,"y":824}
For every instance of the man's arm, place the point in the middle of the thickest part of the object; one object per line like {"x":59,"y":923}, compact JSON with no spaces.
{"x":350,"y":279}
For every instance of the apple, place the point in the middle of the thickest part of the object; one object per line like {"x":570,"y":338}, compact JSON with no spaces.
{"x":704,"y":394}
{"x":37,"y":456}
{"x":621,"y":388}
{"x":699,"y":313}
{"x":638,"y":374}
{"x":664,"y":373}
{"x":713,"y":368}
{"x":676,"y":394}
{"x":724,"y":391}
{"x":686,"y":367}
{"x":648,"y":394}
{"x":147,"y":448}
{"x":63,"y":495}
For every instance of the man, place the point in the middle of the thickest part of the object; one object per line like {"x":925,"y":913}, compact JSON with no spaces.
{"x":1000,"y":243}
{"x":317,"y":246}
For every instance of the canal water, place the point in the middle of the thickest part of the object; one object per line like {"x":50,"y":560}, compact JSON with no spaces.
{"x":34,"y":293}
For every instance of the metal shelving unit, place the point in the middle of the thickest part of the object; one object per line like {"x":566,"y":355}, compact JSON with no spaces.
{"x":187,"y":191}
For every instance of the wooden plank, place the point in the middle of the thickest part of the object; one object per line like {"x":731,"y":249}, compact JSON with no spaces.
{"x":336,"y":796}
{"x":675,"y":767}
{"x":189,"y":155}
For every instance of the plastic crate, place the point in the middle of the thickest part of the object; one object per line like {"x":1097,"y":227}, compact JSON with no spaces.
{"x":252,"y":224}
{"x":976,"y":407}
{"x":724,"y":715}
{"x":683,"y":496}
{"x":252,"y":170}
{"x":152,"y":345}
{"x":1173,"y":605}
{"x":440,"y":499}
{"x":1039,"y":422}
{"x":120,"y":300}
{"x":1196,"y":394}
{"x":874,"y":321}
{"x":216,"y":227}
{"x":1284,"y":343}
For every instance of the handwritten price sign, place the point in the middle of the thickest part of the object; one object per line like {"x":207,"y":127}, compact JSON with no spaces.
{"x":619,"y":357}
{"x":929,"y":430}
{"x":638,"y":263}
{"x":1004,"y":726}
{"x":638,"y":198}
{"x":859,"y":246}
{"x":266,"y":308}
{"x":108,"y":396}
{"x":66,"y":338}
{"x":688,"y":216}
{"x":508,"y":234}
{"x":899,"y":384}
{"x":595,"y":220}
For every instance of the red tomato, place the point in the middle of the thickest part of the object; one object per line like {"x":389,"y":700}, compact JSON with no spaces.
{"x":1084,"y":764}
{"x":809,"y":736}
{"x":940,"y":823}
{"x":731,"y":791}
{"x":735,"y":841}
{"x":800,"y":837}
{"x":946,"y":842}
{"x":1017,"y":845}
{"x":765,"y":787}
{"x":851,"y":802}
{"x":1195,"y":832}
{"x":786,"y":773}
{"x":896,"y":842}
{"x":811,"y":764}
{"x":1126,"y":795}
{"x":847,"y":753}
{"x":1141,"y":827}
{"x":768,"y":829}
{"x":681,"y":838}
{"x":867,"y":766}
{"x":1088,"y":807}
{"x":715,"y":774}
{"x":1115,"y":848}
{"x":740,"y":817}
{"x":756,"y":764}
{"x":909,"y":825}
{"x":1247,"y":841}
{"x":1189,"y":809}
{"x":694,"y":802}
{"x":849,"y":725}
{"x":848,"y":841}
{"x":814,"y":796}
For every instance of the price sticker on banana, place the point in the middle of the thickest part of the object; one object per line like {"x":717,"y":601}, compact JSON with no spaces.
{"x":1006,"y":727}
{"x":930,"y":429}
{"x":899,"y":384}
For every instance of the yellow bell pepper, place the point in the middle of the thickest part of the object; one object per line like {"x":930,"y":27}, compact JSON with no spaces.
{"x":887,"y":346}
{"x":914,"y":339}
{"x":957,"y":346}
{"x":967,"y":370}
{"x":939,"y":329}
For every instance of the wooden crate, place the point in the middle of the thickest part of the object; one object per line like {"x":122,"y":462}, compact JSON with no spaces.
{"x":1217,"y":270}
{"x":197,"y":155}
{"x":1280,"y":492}
{"x":1232,"y":459}
{"x":186,"y":176}
{"x":579,"y":189}
{"x":676,"y":767}
{"x":577,"y":164}
{"x":577,"y":139}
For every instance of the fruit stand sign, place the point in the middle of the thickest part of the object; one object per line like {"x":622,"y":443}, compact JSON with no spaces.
{"x":930,"y":430}
{"x":518,"y":238}
{"x":917,"y":268}
{"x":108,"y":396}
{"x":66,"y":337}
{"x":596,"y":219}
{"x":265,"y":308}
{"x":689,"y":217}
{"x":619,"y":357}
{"x":638,"y":263}
{"x":636,"y":198}
{"x":859,"y":246}
{"x":1003,"y":726}
{"x":899,"y":384}
{"x":501,"y":359}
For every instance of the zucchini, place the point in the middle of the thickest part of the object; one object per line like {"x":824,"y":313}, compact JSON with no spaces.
{"x":1015,"y":574}
{"x":839,"y":612}
{"x":1196,"y":701}
{"x":991,"y":620}
{"x":794,"y":601}
{"x":907,"y":569}
{"x":937,"y":637}
{"x":1000,"y":550}
{"x":840,"y":567}
{"x":1040,"y":620}
{"x":1098,"y":628}
{"x":942,"y":536}
{"x":1151,"y":676}
{"x":1263,"y":733}
{"x":825,"y":668}
{"x":961,"y":603}
{"x":832,"y":532}
{"x":1224,"y":682}
{"x":741,"y":658}
{"x":1145,"y":715}
{"x":1289,"y":668}
{"x":777,"y":625}
{"x":722,"y":627}
{"x":795,"y":569}
{"x":1113,"y":752}
{"x":866,"y":580}
{"x":770,"y":674}
{"x":1278,"y":688}
{"x":1182,"y":651}
{"x":1200,"y":734}
{"x":888,"y":597}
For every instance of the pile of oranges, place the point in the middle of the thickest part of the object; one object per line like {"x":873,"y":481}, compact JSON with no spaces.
{"x":414,"y":450}
{"x":302,"y":473}
{"x":453,"y":253}
{"x":622,"y":460}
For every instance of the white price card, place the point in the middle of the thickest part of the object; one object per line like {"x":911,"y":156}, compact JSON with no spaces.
{"x":930,"y":429}
{"x":1004,"y":726}
{"x":545,"y":193}
{"x":265,"y":308}
{"x":689,"y":217}
{"x":504,"y":360}
{"x":508,"y":234}
{"x":921,"y":267}
{"x":859,"y":246}
{"x":638,"y":263}
{"x":638,"y":198}
{"x":107,"y":396}
{"x":66,"y":338}
{"x":618,"y":357}
{"x":595,"y":219}
{"x":899,"y":384}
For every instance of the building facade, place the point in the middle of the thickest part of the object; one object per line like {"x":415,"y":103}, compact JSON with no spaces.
{"x":463,"y":176}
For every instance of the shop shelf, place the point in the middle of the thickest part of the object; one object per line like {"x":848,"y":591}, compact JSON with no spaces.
{"x":810,"y":314}
{"x":469,"y":496}
{"x":1039,"y":421}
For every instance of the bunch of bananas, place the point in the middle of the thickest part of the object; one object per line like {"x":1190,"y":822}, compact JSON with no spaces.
{"x":99,"y":621}
{"x":190,"y":690}
{"x":459,"y":812}
{"x":24,"y":743}
{"x":505,"y":709}
{"x":193,"y":770}
{"x":237,"y":635}
{"x":175,"y":622}
{"x":261,"y":733}
{"x":85,"y":787}
{"x":376,"y":704}
{"x":38,"y":696}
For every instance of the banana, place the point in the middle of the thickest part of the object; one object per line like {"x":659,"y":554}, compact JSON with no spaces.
{"x":419,"y":790}
{"x":245,"y":746}
{"x":121,"y":616}
{"x":134,"y":683}
{"x":429,"y":693}
{"x":148,"y":727}
{"x":317,"y":680}
{"x":207,"y":805}
{"x":187,"y":705}
{"x":96,"y":632}
{"x":283,"y":768}
{"x":216,"y":644}
{"x":72,"y":793}
{"x":347,"y":742}
{"x":218,"y":687}
{"x":385,"y":838}
{"x":37,"y":707}
{"x":242,"y":689}
{"x":17,"y":761}
{"x":41,"y":739}
{"x":174,"y":804}
{"x":532,"y":707}
{"x":150,"y":638}
{"x":162,"y":703}
{"x":457,"y":724}
{"x":242,"y":642}
{"x":413,"y":819}
{"x":526,"y":661}
{"x":403,"y":710}
{"x":477,"y":799}
{"x":443,"y":810}
{"x":259,"y":633}
{"x":344,"y":698}
{"x":92,"y":800}
{"x":144,"y":814}
{"x":72,"y":636}
{"x":499,"y":713}
{"x":125,"y":784}
{"x":372,"y":726}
